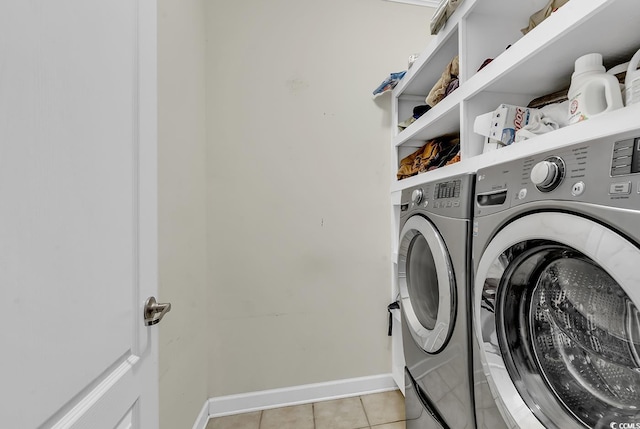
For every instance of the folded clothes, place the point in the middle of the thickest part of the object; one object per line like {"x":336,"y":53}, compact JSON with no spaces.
{"x":543,"y":14}
{"x":404,"y":124}
{"x":417,"y":112}
{"x":439,"y":90}
{"x":447,"y":151}
{"x":447,"y":83}
{"x":455,"y":158}
{"x":435,"y":153}
{"x":420,"y":110}
{"x":441,"y":15}
{"x":485,"y":63}
{"x":410,"y":165}
{"x":453,"y":85}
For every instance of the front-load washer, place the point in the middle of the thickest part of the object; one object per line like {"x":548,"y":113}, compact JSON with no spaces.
{"x":556,"y":249}
{"x":433,"y":267}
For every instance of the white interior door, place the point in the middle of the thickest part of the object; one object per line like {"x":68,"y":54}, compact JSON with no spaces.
{"x":77,"y":213}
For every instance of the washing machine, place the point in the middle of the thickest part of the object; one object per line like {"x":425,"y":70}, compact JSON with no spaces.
{"x":556,"y":250}
{"x":433,"y":266}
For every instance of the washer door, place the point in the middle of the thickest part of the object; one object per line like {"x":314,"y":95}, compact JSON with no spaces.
{"x":427,"y":284}
{"x":556,"y":303}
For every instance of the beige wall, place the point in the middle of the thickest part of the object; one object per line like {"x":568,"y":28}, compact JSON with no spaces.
{"x":182,"y":211}
{"x":298,"y":187}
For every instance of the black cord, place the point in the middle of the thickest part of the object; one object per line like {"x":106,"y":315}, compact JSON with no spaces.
{"x":393,"y":306}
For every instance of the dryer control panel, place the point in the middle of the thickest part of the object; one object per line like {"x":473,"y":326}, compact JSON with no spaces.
{"x":603,"y":171}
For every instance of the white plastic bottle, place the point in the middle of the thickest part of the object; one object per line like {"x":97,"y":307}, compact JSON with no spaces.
{"x":632,"y":81}
{"x":592,"y":91}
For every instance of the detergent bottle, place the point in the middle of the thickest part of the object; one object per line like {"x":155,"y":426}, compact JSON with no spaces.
{"x":592,"y":91}
{"x":632,"y":81}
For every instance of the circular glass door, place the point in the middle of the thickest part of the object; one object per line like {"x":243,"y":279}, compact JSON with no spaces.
{"x":557,"y":300}
{"x":426,"y":283}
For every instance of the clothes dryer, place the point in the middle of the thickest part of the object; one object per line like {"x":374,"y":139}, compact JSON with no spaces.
{"x":433,"y":267}
{"x":556,"y":297}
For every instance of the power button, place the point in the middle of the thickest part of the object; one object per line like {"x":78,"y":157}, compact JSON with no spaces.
{"x":577,"y":189}
{"x":522,"y":194}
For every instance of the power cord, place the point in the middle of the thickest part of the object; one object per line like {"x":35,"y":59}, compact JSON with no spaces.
{"x":393,"y":306}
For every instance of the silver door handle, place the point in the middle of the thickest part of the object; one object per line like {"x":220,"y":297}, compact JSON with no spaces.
{"x":154,"y":311}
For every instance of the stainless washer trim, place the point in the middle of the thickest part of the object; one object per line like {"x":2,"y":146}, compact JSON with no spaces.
{"x":430,"y":340}
{"x":616,"y":255}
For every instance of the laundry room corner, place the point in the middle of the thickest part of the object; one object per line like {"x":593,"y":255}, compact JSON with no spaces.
{"x":182,"y":211}
{"x":299,"y":214}
{"x":298,"y":188}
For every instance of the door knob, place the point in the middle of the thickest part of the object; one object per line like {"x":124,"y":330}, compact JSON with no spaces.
{"x":154,"y":311}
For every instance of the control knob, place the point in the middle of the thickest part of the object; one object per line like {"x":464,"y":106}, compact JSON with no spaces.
{"x":416,"y":196}
{"x":548,"y":174}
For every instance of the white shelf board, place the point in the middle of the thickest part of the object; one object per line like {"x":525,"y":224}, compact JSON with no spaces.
{"x":428,"y":67}
{"x":542,"y":61}
{"x":442,"y":48}
{"x":608,"y":124}
{"x":443,"y":119}
{"x":426,"y":3}
{"x":611,"y":123}
{"x":509,"y":8}
{"x":464,"y":166}
{"x":395,"y":197}
{"x":539,"y":63}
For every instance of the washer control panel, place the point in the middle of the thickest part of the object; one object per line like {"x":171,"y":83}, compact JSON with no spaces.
{"x":416,"y":196}
{"x":447,"y":194}
{"x":450,"y":189}
{"x":548,"y":174}
{"x":602,"y":171}
{"x":577,"y":189}
{"x":450,"y":197}
{"x":626,"y":157}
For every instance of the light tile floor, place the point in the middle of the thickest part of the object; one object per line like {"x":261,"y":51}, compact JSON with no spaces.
{"x":376,"y":411}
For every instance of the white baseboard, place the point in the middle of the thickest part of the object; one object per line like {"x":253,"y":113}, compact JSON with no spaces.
{"x":203,"y":417}
{"x":275,"y":398}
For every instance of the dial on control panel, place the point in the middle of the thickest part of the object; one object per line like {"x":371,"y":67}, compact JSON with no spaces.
{"x":416,"y":196}
{"x":548,"y":174}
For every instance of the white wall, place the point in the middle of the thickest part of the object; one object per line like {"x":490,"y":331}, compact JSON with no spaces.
{"x":298,"y":187}
{"x":182,"y":211}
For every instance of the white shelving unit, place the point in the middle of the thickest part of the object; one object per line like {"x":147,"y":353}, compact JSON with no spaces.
{"x":536,"y":64}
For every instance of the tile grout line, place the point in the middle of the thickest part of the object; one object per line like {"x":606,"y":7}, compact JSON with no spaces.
{"x":365,"y":411}
{"x":313,"y":412}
